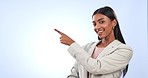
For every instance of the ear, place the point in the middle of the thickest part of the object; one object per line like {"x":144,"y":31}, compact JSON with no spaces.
{"x":114,"y":23}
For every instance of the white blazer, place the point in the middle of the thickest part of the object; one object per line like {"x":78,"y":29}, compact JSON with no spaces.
{"x":109,"y":64}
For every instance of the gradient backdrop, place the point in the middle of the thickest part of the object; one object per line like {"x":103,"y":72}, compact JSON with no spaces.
{"x":30,"y":48}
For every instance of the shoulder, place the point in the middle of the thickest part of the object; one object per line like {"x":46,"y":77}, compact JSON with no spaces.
{"x":120,"y":46}
{"x":123,"y":48}
{"x":89,"y":45}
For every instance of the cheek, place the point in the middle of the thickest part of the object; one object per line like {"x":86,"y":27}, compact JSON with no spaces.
{"x":108,"y":31}
{"x":108,"y":28}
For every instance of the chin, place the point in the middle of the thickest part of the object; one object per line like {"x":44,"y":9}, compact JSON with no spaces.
{"x":101,"y":37}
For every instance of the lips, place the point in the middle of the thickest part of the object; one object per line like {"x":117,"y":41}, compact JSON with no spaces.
{"x":100,"y":31}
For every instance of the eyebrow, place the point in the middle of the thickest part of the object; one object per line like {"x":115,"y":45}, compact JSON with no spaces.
{"x":98,"y":20}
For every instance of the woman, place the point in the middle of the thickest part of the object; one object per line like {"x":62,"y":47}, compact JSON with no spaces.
{"x":108,"y":57}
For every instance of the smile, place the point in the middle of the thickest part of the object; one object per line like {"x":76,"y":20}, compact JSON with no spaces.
{"x":99,"y":31}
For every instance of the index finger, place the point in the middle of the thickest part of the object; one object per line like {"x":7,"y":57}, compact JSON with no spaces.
{"x":58,"y":31}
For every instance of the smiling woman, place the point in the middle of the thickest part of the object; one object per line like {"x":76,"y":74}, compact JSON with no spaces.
{"x":112,"y":56}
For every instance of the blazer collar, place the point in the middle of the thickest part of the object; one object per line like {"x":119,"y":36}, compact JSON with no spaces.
{"x":110,"y":48}
{"x":107,"y":49}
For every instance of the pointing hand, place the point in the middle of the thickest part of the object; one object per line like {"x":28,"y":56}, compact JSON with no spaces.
{"x":64,"y":39}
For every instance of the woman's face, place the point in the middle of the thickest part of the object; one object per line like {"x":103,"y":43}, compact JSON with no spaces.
{"x":103,"y":26}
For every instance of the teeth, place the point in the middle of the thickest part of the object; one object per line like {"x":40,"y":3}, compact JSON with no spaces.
{"x":100,"y":31}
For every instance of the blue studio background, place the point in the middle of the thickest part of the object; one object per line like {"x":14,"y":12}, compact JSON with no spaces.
{"x":30,"y":48}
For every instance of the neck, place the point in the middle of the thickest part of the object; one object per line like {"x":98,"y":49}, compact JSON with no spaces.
{"x":106,"y":41}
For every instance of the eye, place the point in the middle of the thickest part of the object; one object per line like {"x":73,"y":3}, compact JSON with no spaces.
{"x":94,"y":24}
{"x":101,"y":22}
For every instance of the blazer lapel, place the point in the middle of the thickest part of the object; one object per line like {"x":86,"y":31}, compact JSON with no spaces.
{"x":109,"y":49}
{"x":92,"y":48}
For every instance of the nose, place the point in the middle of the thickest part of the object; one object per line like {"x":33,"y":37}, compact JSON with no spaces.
{"x":97,"y":26}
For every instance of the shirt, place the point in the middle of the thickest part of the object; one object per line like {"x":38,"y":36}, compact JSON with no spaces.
{"x":96,"y":52}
